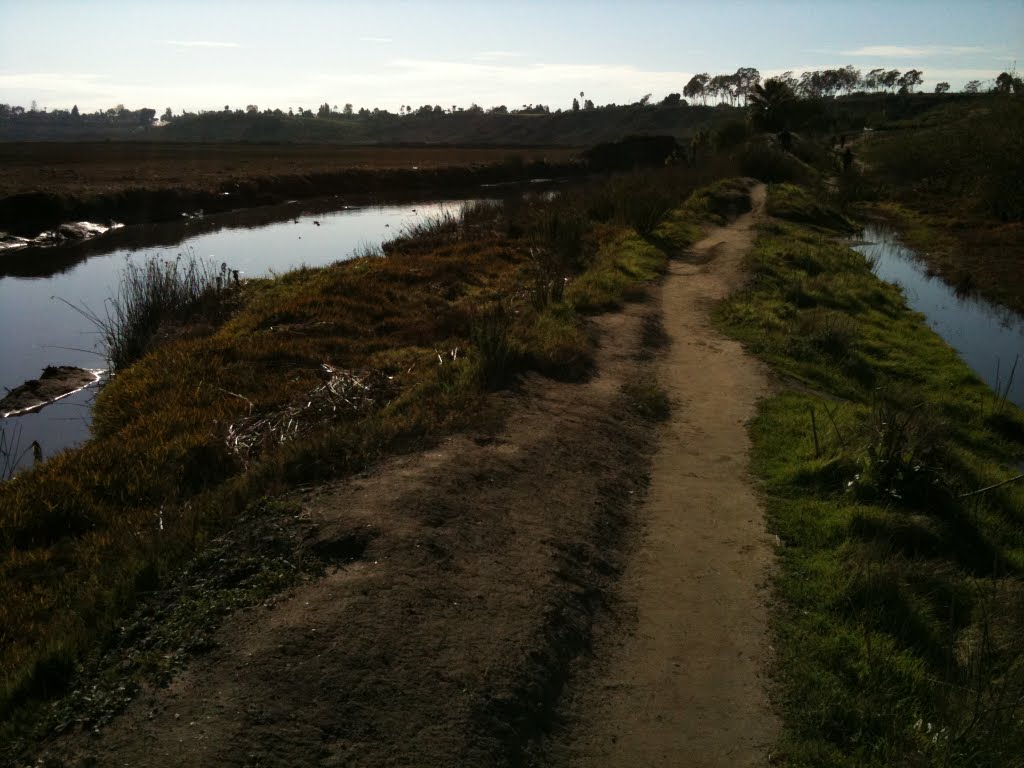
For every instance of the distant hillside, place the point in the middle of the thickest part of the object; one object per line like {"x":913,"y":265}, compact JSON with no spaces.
{"x":470,"y":127}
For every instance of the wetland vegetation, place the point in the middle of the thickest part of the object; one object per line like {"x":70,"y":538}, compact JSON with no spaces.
{"x":890,"y":469}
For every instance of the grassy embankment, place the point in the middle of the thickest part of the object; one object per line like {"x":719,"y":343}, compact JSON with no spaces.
{"x":900,"y":639}
{"x":952,"y":181}
{"x":230,"y":403}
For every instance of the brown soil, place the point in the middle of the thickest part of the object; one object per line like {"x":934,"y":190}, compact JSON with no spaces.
{"x":470,"y":581}
{"x":47,"y":184}
{"x":466,"y":581}
{"x":54,"y":383}
{"x":84,"y":169}
{"x":679,"y":671}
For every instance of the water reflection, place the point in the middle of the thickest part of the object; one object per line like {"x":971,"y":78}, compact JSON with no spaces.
{"x":39,"y":290}
{"x":990,"y":339}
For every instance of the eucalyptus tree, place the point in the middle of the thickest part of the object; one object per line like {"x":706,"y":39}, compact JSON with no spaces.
{"x":889,"y":79}
{"x":697,"y":87}
{"x":910,"y":79}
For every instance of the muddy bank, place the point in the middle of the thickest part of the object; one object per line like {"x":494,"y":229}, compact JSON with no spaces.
{"x":30,"y":213}
{"x":56,"y":382}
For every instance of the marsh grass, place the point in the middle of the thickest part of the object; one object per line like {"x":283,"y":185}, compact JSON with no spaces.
{"x":448,"y":314}
{"x":11,"y":450}
{"x":899,"y":639}
{"x":153,"y":295}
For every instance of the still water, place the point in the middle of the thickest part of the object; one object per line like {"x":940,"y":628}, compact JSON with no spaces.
{"x":990,"y":339}
{"x":41,"y":288}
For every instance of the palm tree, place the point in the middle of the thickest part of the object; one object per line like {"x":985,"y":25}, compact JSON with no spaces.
{"x":769,"y":104}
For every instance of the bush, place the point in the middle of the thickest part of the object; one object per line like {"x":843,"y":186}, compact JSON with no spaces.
{"x":153,"y":294}
{"x":768,"y":163}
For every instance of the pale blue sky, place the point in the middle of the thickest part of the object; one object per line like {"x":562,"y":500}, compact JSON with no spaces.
{"x":203,"y":55}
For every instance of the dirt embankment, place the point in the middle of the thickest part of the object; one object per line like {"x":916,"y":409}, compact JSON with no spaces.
{"x":466,"y":580}
{"x":54,"y":383}
{"x":46,"y":185}
{"x":573,"y":588}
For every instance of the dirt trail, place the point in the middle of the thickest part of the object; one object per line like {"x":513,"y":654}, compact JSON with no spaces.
{"x":466,"y":580}
{"x":466,"y":584}
{"x":686,"y":687}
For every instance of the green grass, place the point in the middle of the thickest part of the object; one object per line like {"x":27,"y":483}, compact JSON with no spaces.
{"x":795,"y":203}
{"x":899,"y":637}
{"x":222,"y":413}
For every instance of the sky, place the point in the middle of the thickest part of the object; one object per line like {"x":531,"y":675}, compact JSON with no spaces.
{"x":204,"y":55}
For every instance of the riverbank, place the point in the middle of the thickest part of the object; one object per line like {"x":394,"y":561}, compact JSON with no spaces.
{"x":46,"y":185}
{"x":885,"y":462}
{"x":381,"y":355}
{"x":950,"y":181}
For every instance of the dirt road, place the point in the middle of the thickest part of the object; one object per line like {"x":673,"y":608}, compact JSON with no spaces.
{"x":515,"y":596}
{"x":686,"y":687}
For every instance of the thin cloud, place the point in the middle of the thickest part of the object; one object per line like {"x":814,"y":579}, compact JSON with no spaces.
{"x":914,"y":52}
{"x":202,"y":44}
{"x":497,"y":55}
{"x":52,"y":81}
{"x":377,"y":39}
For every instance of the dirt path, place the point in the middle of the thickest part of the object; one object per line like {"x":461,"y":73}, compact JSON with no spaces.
{"x":466,"y":583}
{"x":686,"y":687}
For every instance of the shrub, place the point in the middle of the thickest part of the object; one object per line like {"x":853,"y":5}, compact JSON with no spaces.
{"x":153,"y":294}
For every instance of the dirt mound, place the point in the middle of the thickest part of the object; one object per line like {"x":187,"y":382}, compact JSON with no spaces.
{"x":55,"y":382}
{"x":461,"y":583}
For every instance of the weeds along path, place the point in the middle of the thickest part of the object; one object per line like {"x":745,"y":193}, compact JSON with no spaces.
{"x":465,"y":579}
{"x":682,"y":682}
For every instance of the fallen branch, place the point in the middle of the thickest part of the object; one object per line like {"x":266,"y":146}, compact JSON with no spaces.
{"x":982,"y":490}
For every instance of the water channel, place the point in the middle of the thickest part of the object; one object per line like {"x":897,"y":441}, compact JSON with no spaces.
{"x":40,"y":288}
{"x":989,"y":338}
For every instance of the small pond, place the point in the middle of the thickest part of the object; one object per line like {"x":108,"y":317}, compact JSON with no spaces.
{"x":989,"y":338}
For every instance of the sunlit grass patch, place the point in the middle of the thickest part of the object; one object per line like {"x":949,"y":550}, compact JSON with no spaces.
{"x":896,"y":644}
{"x":297,"y":379}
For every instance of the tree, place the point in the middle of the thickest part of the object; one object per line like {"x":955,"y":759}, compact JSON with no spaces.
{"x":972,"y":86}
{"x":251,"y":109}
{"x":850,"y":79}
{"x":33,"y":107}
{"x":672,"y":100}
{"x":347,"y":110}
{"x":910,"y":79}
{"x":588,"y":105}
{"x":324,"y":110}
{"x":769,"y":104}
{"x":645,"y":100}
{"x":744,"y":81}
{"x":873,"y":79}
{"x":74,"y":111}
{"x":697,"y":87}
{"x":1004,"y":83}
{"x":889,"y":79}
{"x":575,"y":105}
{"x":942,"y":87}
{"x":146,"y":116}
{"x":167,"y":115}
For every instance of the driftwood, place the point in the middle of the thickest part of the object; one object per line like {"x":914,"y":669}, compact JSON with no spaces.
{"x":343,"y":392}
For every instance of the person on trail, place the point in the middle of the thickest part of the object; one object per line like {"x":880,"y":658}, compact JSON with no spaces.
{"x":847,"y":159}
